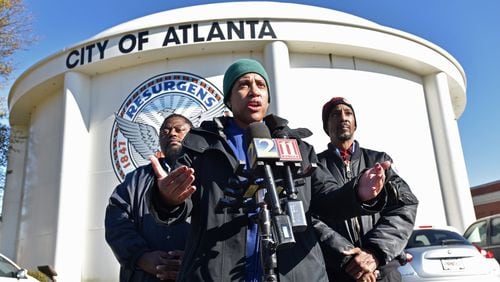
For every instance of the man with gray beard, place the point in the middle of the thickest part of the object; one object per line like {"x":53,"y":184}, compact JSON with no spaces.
{"x":376,"y":241}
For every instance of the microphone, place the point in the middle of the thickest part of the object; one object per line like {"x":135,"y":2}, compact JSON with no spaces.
{"x":261,"y":148}
{"x":261,"y":153}
{"x":290,"y":156}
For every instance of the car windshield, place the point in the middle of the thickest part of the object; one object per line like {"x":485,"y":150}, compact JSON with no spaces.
{"x":7,"y":269}
{"x":435,"y":237}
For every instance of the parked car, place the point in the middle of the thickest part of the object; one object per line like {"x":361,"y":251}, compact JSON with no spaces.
{"x":9,"y":271}
{"x":485,"y":233}
{"x":443,"y":254}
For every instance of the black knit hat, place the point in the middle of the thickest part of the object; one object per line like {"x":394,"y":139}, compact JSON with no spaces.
{"x":328,"y":106}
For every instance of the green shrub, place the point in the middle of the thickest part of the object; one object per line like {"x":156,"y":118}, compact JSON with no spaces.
{"x":38,"y":275}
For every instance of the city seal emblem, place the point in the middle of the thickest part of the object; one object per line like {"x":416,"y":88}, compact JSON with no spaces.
{"x":134,"y":135}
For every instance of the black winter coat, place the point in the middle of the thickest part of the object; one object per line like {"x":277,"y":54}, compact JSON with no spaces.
{"x":217,"y":244}
{"x":384,"y":233}
{"x":131,"y":230}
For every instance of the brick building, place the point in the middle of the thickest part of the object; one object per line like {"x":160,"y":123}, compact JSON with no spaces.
{"x":486,"y":198}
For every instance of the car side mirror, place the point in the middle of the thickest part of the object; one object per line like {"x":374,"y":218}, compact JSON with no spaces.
{"x":22,"y":274}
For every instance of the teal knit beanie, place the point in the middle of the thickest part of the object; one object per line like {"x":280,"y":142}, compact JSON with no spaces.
{"x":239,"y":68}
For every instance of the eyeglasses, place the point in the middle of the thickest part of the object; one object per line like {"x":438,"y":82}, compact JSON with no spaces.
{"x":178,"y":129}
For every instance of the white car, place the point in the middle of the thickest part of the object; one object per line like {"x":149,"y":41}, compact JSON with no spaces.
{"x":9,"y":271}
{"x":443,"y":254}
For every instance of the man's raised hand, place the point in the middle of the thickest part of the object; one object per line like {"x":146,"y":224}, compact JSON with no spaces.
{"x":372,"y":181}
{"x":175,"y":187}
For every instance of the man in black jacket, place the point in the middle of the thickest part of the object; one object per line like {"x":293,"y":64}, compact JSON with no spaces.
{"x":379,"y":238}
{"x":147,"y":251}
{"x":223,"y":244}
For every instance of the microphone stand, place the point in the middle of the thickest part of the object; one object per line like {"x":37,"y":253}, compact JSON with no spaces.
{"x":266,"y":221}
{"x":265,"y":218}
{"x":275,"y":229}
{"x":268,"y":256}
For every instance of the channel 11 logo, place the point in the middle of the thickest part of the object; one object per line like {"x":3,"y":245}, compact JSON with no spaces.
{"x":288,"y":150}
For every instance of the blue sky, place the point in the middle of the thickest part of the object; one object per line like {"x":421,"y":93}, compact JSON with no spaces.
{"x":468,"y":30}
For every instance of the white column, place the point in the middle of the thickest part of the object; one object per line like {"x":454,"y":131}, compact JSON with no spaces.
{"x":13,"y":192}
{"x":277,"y":64}
{"x":72,"y":212}
{"x":455,"y":186}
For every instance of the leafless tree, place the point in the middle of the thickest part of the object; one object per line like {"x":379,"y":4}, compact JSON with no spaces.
{"x":15,"y":34}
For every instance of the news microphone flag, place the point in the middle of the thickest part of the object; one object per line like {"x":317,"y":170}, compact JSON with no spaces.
{"x":288,"y":150}
{"x":261,"y":149}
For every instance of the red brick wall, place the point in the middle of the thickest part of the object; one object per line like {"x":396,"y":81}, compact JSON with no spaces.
{"x":488,"y":208}
{"x":485,"y":188}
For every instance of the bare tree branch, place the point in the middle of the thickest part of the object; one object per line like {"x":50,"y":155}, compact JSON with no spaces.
{"x":15,"y":34}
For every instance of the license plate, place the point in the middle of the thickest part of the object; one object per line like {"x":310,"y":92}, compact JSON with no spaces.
{"x":452,"y":264}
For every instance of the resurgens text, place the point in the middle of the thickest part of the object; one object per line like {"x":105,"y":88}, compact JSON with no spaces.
{"x":174,"y":36}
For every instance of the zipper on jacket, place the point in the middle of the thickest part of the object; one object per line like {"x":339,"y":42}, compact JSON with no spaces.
{"x":348,"y":170}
